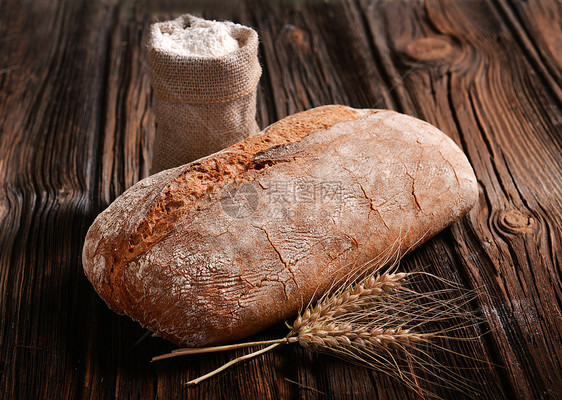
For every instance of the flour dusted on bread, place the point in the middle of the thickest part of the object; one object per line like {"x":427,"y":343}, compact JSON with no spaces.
{"x":200,"y":38}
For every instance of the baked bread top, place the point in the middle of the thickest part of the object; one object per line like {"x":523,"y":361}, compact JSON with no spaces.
{"x":166,"y":252}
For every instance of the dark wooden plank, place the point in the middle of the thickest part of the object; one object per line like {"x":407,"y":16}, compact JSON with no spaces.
{"x":480,"y":88}
{"x":53,"y":74}
{"x":76,"y":125}
{"x":536,"y":27}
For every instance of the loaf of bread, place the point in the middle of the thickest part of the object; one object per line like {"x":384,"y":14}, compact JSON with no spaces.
{"x":232,"y":243}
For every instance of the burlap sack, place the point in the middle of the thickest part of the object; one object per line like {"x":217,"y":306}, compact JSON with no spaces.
{"x":202,"y":104}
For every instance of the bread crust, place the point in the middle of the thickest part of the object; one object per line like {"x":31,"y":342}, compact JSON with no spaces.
{"x":170,"y":253}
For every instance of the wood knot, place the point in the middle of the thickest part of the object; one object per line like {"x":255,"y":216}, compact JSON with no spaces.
{"x":295,"y":35}
{"x":515,"y":222}
{"x":430,"y":49}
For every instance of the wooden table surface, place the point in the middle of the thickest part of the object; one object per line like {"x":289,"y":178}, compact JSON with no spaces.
{"x":76,"y":128}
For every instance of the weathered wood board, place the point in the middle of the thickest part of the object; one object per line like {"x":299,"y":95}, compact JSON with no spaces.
{"x":76,"y":126}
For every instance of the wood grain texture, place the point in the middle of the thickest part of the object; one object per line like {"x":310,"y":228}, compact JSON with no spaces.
{"x":76,"y":128}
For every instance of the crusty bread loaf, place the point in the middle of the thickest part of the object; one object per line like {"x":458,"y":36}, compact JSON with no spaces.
{"x":230,"y":244}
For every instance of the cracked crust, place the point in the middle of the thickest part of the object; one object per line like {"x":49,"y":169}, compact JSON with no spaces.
{"x":168,"y":253}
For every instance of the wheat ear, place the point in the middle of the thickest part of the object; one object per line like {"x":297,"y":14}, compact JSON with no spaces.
{"x":349,"y":299}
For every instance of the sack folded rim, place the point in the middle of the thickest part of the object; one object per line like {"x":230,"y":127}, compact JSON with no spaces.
{"x":202,"y":79}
